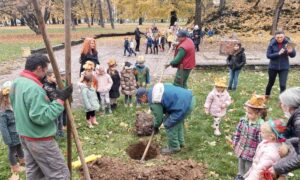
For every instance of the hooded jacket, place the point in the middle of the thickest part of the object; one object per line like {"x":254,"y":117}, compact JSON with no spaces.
{"x":279,"y":62}
{"x":237,"y":60}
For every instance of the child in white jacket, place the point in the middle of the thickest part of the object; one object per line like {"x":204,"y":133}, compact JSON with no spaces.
{"x":104,"y":85}
{"x":217,"y":103}
{"x":269,"y":151}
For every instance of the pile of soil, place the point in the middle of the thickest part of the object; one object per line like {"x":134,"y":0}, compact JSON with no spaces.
{"x":112,"y":168}
{"x":248,"y":19}
{"x":143,"y":124}
{"x":135,"y":151}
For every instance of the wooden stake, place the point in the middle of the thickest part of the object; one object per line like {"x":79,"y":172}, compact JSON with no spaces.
{"x":67,"y":22}
{"x":147,"y":147}
{"x":42,"y":27}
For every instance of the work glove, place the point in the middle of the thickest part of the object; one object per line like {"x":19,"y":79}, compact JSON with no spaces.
{"x":156,"y":130}
{"x":65,"y":93}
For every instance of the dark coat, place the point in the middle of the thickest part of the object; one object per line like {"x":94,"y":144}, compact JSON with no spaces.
{"x":50,"y":89}
{"x":196,"y":36}
{"x":115,"y":89}
{"x":292,"y":161}
{"x":126,"y":43}
{"x":8,"y":128}
{"x":88,"y":57}
{"x":279,"y":62}
{"x":237,"y":60}
{"x":137,"y":34}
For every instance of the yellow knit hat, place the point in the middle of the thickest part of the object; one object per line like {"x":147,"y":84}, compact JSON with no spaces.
{"x":6,"y":88}
{"x":140,"y":60}
{"x":111,"y":62}
{"x":257,"y":101}
{"x":221,"y":82}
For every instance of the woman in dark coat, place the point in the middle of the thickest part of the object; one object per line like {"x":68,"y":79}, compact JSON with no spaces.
{"x":88,"y":53}
{"x":114,"y":92}
{"x":290,"y":104}
{"x":235,"y":62}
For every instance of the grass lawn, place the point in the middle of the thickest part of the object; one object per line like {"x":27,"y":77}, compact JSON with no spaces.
{"x":111,"y":139}
{"x":12,"y":39}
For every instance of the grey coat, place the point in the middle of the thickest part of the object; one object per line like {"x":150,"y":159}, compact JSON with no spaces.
{"x":8,"y":128}
{"x":292,"y":161}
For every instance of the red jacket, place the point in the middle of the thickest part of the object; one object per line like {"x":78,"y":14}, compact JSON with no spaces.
{"x":189,"y":60}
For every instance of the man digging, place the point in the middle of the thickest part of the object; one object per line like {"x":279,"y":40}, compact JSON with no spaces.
{"x":184,"y":59}
{"x":35,"y":121}
{"x":170,"y":105}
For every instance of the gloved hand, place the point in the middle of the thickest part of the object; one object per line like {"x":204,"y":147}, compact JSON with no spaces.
{"x":156,"y":130}
{"x":167,"y":65}
{"x":65,"y":93}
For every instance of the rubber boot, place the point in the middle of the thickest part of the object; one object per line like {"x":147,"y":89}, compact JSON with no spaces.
{"x":94,"y":121}
{"x":217,"y":124}
{"x":89,"y":122}
{"x":168,"y":151}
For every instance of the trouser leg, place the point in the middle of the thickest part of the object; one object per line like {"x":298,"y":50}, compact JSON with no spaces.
{"x":272,"y":78}
{"x":283,"y":76}
{"x":181,"y":134}
{"x":12,"y":150}
{"x":235,"y":78}
{"x":172,"y":135}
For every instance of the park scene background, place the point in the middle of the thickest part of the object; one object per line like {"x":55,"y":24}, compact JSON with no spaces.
{"x":249,"y":21}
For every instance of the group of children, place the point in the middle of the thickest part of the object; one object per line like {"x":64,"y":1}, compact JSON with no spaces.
{"x":100,"y":85}
{"x":155,"y":42}
{"x":257,"y":142}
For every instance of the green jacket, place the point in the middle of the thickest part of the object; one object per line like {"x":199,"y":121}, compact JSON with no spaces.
{"x":34,"y":113}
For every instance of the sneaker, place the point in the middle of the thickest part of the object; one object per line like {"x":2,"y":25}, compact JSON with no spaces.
{"x":168,"y":151}
{"x":217,"y":132}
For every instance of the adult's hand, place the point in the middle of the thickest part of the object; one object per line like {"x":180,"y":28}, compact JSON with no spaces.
{"x":65,"y":93}
{"x":156,"y":130}
{"x":289,"y":50}
{"x":167,"y":65}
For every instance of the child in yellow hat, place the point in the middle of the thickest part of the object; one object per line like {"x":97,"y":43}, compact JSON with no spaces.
{"x":217,"y":103}
{"x":247,"y":135}
{"x":114,"y":92}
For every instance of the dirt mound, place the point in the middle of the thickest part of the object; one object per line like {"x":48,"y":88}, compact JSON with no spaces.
{"x":135,"y":151}
{"x":167,"y":169}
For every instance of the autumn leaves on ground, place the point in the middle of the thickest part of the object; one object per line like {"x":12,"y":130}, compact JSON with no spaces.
{"x":115,"y":133}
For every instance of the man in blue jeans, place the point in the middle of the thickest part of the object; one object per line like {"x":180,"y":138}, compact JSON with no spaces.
{"x":278,"y":52}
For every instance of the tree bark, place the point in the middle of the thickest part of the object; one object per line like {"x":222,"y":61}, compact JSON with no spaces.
{"x":85,"y":13}
{"x":222,"y":6}
{"x":101,"y":22}
{"x":110,"y":14}
{"x":198,"y":13}
{"x":276,"y":16}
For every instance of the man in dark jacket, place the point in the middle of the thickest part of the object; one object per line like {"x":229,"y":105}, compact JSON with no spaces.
{"x":137,"y":34}
{"x":278,"y":52}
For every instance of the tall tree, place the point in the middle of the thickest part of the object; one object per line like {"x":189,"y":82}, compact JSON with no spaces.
{"x":85,"y":13}
{"x":222,"y":7}
{"x":110,"y":14}
{"x":198,"y":13}
{"x":101,"y":22}
{"x":276,"y":17}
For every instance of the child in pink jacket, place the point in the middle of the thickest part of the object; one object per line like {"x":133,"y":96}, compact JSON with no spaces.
{"x":104,"y":85}
{"x":217,"y":103}
{"x":270,"y":150}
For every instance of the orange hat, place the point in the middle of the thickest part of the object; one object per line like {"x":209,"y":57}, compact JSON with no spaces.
{"x":257,"y":101}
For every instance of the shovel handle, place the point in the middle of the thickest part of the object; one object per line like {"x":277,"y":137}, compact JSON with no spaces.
{"x":147,"y":147}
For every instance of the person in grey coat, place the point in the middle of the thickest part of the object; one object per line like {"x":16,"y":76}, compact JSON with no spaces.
{"x":290,"y":104}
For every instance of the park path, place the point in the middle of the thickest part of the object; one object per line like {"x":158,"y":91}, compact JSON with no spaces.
{"x":107,"y":48}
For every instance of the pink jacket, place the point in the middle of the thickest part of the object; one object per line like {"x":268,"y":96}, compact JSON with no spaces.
{"x":266,"y":155}
{"x":215,"y":101}
{"x":104,"y":83}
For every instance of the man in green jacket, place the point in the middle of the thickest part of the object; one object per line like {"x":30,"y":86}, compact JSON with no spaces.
{"x":184,"y":59}
{"x":35,"y":121}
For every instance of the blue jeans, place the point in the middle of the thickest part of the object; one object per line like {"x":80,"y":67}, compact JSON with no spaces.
{"x":233,"y":78}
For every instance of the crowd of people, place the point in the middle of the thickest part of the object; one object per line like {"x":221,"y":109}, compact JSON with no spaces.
{"x":32,"y":112}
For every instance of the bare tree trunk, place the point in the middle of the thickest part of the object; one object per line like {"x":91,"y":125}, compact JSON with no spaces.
{"x":110,"y":14}
{"x":85,"y":13}
{"x":222,"y":6}
{"x":198,"y":13}
{"x":276,"y":16}
{"x":101,"y":13}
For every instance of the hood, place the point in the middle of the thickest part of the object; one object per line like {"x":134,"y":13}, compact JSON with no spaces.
{"x":241,"y":50}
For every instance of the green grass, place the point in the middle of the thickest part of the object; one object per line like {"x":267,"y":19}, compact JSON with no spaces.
{"x":111,"y":139}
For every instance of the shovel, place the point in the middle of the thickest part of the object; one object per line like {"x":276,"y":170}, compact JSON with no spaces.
{"x":147,"y":147}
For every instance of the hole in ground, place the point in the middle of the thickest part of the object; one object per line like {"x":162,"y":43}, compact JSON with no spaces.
{"x":135,"y":151}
